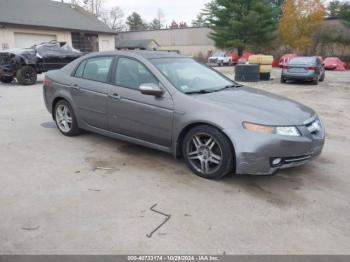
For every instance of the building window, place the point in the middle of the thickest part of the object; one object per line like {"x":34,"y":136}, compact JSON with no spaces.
{"x":85,"y":42}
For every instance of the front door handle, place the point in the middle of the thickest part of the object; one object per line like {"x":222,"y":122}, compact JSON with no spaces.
{"x":115,"y":96}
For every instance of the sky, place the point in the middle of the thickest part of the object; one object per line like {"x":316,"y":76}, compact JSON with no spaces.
{"x":178,"y":10}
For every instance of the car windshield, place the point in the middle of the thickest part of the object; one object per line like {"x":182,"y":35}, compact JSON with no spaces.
{"x":302,"y":60}
{"x":188,"y":76}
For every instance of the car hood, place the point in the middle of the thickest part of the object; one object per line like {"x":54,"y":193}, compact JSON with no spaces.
{"x":250,"y":104}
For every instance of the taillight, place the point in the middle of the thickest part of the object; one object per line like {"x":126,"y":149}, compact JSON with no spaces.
{"x":311,"y":68}
{"x":48,"y":82}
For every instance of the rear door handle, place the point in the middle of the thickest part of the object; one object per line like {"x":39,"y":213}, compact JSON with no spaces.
{"x":115,"y":96}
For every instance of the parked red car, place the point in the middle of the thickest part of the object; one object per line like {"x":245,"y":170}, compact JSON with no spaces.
{"x":285,"y":59}
{"x":244,"y":58}
{"x":334,"y":63}
{"x":234,"y":57}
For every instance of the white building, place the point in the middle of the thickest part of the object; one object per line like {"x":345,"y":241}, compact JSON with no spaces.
{"x":191,"y":41}
{"x":24,"y":23}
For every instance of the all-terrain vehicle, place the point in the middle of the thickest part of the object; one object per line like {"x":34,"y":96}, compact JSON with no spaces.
{"x":26,"y":64}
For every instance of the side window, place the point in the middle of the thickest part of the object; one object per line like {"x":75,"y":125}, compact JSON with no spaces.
{"x":97,"y":69}
{"x":131,"y":73}
{"x":80,"y":70}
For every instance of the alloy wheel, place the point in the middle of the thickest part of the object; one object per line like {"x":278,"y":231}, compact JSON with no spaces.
{"x":29,"y":77}
{"x":204,"y":153}
{"x":64,"y":118}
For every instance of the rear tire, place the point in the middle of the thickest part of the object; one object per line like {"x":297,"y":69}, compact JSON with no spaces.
{"x":26,"y":76}
{"x":6,"y":79}
{"x":283,"y":81}
{"x":208,"y":152}
{"x":323,"y":77}
{"x":65,"y":119}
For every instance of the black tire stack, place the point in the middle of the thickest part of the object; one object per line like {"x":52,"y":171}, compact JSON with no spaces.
{"x":247,"y":73}
{"x":265,"y":76}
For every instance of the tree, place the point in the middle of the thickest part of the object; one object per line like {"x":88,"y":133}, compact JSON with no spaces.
{"x":278,"y":4}
{"x":155,"y":24}
{"x":183,"y":25}
{"x":199,"y":21}
{"x":92,"y":6}
{"x":344,"y":14}
{"x":135,"y":22}
{"x":301,"y":21}
{"x":114,"y":18}
{"x":174,"y":25}
{"x":158,"y":22}
{"x":241,"y":23}
{"x":334,"y":8}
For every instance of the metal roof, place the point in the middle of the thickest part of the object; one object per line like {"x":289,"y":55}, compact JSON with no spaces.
{"x":49,"y":14}
{"x":141,"y":53}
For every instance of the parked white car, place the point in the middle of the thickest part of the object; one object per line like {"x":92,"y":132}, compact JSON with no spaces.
{"x":220,"y":59}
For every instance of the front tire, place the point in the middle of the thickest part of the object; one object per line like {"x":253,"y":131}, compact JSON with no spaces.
{"x":65,"y":119}
{"x":26,"y":76}
{"x":208,"y":152}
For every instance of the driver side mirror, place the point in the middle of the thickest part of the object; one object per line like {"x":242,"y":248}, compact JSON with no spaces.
{"x":151,"y":89}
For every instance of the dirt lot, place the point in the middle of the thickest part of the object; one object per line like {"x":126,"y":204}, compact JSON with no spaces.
{"x":53,"y":200}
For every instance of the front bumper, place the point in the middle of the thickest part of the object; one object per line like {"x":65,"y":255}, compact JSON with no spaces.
{"x":255,"y":152}
{"x":7,"y":71}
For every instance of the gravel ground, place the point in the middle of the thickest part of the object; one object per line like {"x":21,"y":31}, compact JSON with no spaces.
{"x":55,"y":200}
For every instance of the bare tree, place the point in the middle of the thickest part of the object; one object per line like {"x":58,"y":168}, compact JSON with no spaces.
{"x":94,"y":7}
{"x":114,"y":18}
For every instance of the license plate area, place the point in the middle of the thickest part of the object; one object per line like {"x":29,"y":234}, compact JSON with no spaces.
{"x":297,"y":70}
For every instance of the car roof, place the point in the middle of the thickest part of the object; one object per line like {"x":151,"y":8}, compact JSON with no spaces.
{"x":141,"y":53}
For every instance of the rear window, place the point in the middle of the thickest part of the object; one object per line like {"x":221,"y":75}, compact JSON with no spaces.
{"x":97,"y":69}
{"x":80,"y":70}
{"x":302,"y":60}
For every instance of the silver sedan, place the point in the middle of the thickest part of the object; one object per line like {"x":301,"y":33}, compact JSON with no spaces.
{"x":171,"y":103}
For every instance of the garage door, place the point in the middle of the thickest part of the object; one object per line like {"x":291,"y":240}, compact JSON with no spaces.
{"x":28,"y":40}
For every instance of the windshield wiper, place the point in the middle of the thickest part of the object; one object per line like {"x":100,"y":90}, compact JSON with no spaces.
{"x":202,"y":91}
{"x":228,"y":87}
{"x":207,"y":91}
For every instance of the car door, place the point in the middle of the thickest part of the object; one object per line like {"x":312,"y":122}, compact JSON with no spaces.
{"x":133,"y":114}
{"x":90,"y":90}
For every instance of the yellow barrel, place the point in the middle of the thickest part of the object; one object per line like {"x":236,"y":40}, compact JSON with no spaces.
{"x":265,"y":68}
{"x":261,"y":59}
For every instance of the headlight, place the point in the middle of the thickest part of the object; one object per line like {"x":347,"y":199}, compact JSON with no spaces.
{"x":277,"y":130}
